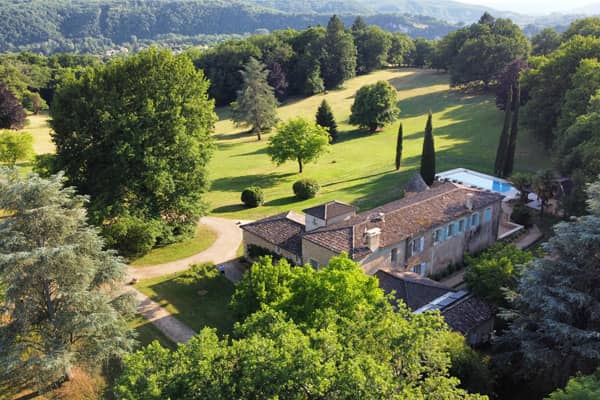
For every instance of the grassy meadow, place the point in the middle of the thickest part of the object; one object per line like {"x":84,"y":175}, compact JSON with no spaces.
{"x":359,"y":169}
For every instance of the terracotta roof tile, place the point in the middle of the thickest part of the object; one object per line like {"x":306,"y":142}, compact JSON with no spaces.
{"x":283,"y":230}
{"x":331,"y":209}
{"x":467,"y":314}
{"x":412,"y":289}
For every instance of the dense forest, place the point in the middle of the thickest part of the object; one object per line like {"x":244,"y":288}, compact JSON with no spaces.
{"x":83,"y":27}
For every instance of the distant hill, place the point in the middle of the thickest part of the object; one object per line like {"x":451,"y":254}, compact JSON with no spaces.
{"x":92,"y":26}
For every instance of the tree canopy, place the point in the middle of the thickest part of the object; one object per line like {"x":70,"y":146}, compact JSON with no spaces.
{"x":62,"y":306}
{"x":339,"y":54}
{"x":374,"y":106}
{"x":326,"y":119}
{"x":15,"y":146}
{"x":428,"y":168}
{"x":256,"y":104}
{"x":298,"y":139}
{"x":146,"y":171}
{"x":12,"y":114}
{"x":329,"y":334}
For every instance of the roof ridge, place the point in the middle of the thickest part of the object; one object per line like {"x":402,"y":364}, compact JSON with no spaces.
{"x":455,"y":189}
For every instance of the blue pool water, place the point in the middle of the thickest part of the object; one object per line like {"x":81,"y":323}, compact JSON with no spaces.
{"x":480,"y":180}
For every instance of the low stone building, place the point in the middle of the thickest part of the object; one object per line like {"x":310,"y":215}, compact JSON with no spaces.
{"x":423,"y":232}
{"x":462,"y":311}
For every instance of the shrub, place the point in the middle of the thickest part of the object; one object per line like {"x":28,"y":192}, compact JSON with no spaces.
{"x":131,"y":236}
{"x":521,"y":215}
{"x":306,"y":188}
{"x":253,"y":196}
{"x":198,"y":273}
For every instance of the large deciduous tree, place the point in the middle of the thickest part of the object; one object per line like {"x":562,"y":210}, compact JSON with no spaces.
{"x":256,"y":104}
{"x":12,"y":114}
{"x":328,"y":334}
{"x":298,"y":139}
{"x":339,"y":58}
{"x":545,"y":42}
{"x":134,"y":134}
{"x":374,"y":106}
{"x":326,"y":119}
{"x":62,"y":306}
{"x":428,"y":153}
{"x":372,"y":47}
{"x":555,"y":333}
{"x":15,"y":146}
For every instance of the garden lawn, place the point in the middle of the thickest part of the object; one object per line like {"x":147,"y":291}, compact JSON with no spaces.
{"x":359,"y":169}
{"x":203,"y":239}
{"x":199,"y":305}
{"x":40,"y":129}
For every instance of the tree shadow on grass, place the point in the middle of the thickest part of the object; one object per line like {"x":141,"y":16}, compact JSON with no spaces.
{"x":438,"y":102}
{"x":353,"y":134}
{"x":228,"y":208}
{"x":239,"y":183}
{"x":283,"y":201}
{"x":418,"y":79}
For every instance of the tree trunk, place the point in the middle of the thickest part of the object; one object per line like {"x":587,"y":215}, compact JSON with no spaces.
{"x":299,"y":164}
{"x":258,"y":134}
{"x":47,"y":389}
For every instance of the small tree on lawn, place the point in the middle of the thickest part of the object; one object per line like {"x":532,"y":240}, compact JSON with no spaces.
{"x":298,"y":139}
{"x":63,"y":303}
{"x":399,"y":147}
{"x":15,"y":146}
{"x":12,"y":114}
{"x":326,"y":120}
{"x":428,"y":154}
{"x":374,"y":106}
{"x":256,"y":104}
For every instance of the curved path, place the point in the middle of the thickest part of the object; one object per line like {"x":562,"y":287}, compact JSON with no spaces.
{"x":222,"y":251}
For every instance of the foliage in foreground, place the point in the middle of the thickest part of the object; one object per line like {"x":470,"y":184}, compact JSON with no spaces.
{"x":495,"y":270}
{"x":579,"y":388}
{"x":554,"y":332}
{"x":150,"y":162}
{"x":330,"y":334}
{"x":62,"y":306}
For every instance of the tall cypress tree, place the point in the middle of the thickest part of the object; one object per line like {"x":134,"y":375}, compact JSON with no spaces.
{"x":428,"y":155}
{"x":339,"y":59}
{"x":326,"y":119}
{"x":514,"y":131}
{"x":399,"y":147}
{"x":501,"y":152}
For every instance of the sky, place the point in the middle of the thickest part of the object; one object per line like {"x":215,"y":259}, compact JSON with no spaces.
{"x":532,"y":6}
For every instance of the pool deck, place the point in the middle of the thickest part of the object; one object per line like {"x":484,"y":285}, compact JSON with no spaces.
{"x":476,"y":182}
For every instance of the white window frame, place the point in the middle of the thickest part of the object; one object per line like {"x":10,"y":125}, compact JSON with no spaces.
{"x":421,"y":245}
{"x":474,"y":220}
{"x":487,"y":215}
{"x":420,"y":269}
{"x":459,"y":228}
{"x":450,"y":230}
{"x":438,"y":236}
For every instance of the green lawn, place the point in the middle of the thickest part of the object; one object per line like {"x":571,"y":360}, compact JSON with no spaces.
{"x":39,"y":128}
{"x":360,"y":168}
{"x":199,"y":305}
{"x":203,"y":239}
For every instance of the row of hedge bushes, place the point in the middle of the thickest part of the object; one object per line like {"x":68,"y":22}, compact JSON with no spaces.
{"x":304,"y":189}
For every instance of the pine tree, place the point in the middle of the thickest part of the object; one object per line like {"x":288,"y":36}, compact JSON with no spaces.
{"x":428,"y":154}
{"x":256,"y":104}
{"x":502,"y":151}
{"x":62,"y":306}
{"x":514,"y":131}
{"x":339,"y":60}
{"x":326,"y":119}
{"x":399,"y":147}
{"x":555,"y":329}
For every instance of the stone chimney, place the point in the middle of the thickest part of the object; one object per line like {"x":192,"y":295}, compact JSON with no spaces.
{"x":469,"y":201}
{"x":373,"y":238}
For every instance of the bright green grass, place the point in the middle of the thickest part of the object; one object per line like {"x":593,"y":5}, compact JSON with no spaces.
{"x":203,"y":239}
{"x":39,"y":128}
{"x":147,"y":333}
{"x":360,"y":168}
{"x":190,"y":304}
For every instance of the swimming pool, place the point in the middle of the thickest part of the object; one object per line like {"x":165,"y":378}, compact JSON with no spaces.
{"x":473,"y":178}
